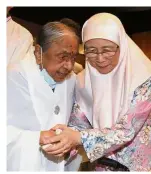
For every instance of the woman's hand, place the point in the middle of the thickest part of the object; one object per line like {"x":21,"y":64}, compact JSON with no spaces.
{"x":64,"y":142}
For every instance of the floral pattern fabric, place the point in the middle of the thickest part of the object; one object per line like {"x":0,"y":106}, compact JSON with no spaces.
{"x":129,"y":140}
{"x":78,"y":120}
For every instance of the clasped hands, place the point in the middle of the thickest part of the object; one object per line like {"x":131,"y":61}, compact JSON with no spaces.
{"x":59,"y":144}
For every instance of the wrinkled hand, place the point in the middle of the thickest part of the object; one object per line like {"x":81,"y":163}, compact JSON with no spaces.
{"x":64,"y":142}
{"x":45,"y":135}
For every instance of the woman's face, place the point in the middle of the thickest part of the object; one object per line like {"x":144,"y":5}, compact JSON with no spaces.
{"x":102,"y":54}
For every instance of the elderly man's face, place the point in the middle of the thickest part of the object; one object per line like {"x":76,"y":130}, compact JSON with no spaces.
{"x":59,"y":59}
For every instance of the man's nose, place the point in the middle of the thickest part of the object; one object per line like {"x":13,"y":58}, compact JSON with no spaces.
{"x":69,"y":65}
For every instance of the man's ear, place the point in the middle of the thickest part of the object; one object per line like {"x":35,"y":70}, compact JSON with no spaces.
{"x":37,"y":53}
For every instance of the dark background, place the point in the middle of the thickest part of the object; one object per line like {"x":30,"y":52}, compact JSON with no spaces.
{"x":134,"y":19}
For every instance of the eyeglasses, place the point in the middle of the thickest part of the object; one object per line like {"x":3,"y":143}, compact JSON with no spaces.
{"x":93,"y":53}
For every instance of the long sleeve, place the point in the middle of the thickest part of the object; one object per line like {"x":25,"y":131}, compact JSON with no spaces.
{"x":19,"y":144}
{"x":22,"y":129}
{"x":98,"y":143}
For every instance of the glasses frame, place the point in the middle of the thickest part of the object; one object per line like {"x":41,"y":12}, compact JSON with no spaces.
{"x":97,"y":53}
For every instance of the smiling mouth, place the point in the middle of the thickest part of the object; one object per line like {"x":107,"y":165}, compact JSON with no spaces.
{"x":103,"y":66}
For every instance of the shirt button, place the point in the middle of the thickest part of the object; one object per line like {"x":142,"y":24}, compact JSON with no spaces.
{"x":57,"y":110}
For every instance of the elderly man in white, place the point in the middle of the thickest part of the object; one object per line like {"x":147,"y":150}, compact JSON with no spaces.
{"x":40,"y":95}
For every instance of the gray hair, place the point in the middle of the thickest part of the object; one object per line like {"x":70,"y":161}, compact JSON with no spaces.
{"x":52,"y":31}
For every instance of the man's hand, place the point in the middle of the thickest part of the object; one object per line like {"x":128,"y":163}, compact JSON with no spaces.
{"x":45,"y":136}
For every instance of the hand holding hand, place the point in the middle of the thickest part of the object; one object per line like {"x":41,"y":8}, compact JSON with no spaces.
{"x":64,"y":142}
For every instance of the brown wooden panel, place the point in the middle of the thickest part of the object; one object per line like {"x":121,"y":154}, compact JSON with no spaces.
{"x":143,"y":40}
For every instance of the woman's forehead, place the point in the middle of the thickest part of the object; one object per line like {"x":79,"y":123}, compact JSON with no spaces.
{"x":99,"y":43}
